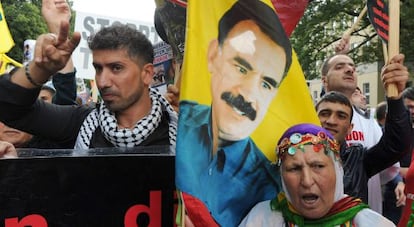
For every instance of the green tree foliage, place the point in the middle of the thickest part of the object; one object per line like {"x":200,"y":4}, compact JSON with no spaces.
{"x":25,"y":21}
{"x":324,"y":23}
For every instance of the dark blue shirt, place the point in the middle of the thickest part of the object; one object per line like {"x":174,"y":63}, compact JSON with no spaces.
{"x":229,"y":183}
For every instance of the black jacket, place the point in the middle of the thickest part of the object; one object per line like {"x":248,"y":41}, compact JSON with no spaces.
{"x":360,"y":163}
{"x":57,"y":126}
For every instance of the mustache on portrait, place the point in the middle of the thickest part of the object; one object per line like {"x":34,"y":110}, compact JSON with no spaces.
{"x":239,"y":103}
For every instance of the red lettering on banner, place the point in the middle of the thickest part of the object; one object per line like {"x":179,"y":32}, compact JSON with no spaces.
{"x":33,"y":220}
{"x":153,"y":211}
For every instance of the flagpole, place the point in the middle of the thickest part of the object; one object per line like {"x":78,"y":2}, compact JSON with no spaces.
{"x":385,"y":52}
{"x":348,"y":32}
{"x":346,"y":37}
{"x":394,"y":39}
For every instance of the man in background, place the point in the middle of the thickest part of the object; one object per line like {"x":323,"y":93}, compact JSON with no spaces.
{"x":339,"y":74}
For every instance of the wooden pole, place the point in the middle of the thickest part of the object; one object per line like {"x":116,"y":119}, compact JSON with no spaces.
{"x":385,"y":52}
{"x":348,"y":32}
{"x":177,"y":74}
{"x":393,"y":39}
{"x":346,"y":37}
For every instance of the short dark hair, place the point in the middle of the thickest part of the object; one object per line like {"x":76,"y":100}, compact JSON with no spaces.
{"x":264,"y":16}
{"x":47,"y":88}
{"x":408,"y":93}
{"x":381,"y":110}
{"x":325,"y":65}
{"x":336,"y":97}
{"x":119,"y":36}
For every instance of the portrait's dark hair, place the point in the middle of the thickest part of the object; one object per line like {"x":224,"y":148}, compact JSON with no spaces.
{"x":265,"y":18}
{"x":118,"y":36}
{"x":408,"y":93}
{"x":336,"y":97}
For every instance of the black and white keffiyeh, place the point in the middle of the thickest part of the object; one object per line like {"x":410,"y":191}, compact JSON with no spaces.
{"x":105,"y":119}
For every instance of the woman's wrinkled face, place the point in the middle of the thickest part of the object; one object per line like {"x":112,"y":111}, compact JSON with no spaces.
{"x":310,"y":179}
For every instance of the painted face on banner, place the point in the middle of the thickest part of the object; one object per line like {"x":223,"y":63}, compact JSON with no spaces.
{"x":246,"y":71}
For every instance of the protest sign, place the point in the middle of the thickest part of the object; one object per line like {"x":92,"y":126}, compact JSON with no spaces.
{"x":105,"y":187}
{"x":87,"y":24}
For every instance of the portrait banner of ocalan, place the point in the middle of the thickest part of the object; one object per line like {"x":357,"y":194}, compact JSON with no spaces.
{"x":241,"y":87}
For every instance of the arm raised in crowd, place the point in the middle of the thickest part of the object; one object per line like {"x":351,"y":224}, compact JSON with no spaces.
{"x":396,"y":140}
{"x":52,"y":52}
{"x":54,"y":12}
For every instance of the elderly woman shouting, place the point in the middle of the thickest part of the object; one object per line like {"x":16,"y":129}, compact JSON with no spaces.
{"x":312,"y":180}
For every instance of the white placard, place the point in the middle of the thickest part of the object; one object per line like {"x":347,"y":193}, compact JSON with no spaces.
{"x":87,"y":24}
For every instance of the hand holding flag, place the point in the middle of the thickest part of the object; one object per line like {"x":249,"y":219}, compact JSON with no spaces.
{"x":343,"y":46}
{"x":386,"y":22}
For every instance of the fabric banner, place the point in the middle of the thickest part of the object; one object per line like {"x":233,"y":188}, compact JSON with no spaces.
{"x":99,"y":188}
{"x":234,"y":105}
{"x":290,"y":12}
{"x":378,"y":16}
{"x":6,"y":62}
{"x":6,"y":40}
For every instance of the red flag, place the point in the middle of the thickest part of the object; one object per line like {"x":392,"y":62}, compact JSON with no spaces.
{"x":182,"y":3}
{"x":290,"y":12}
{"x":378,"y":16}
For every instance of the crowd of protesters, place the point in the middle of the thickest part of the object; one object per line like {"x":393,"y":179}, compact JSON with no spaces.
{"x":376,"y":165}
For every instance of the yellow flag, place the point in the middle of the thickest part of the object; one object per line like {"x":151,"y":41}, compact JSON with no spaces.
{"x":6,"y":40}
{"x":292,"y":104}
{"x":234,"y":106}
{"x":5,"y":61}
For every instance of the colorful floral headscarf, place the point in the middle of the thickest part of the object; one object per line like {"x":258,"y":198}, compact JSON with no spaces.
{"x":294,"y":140}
